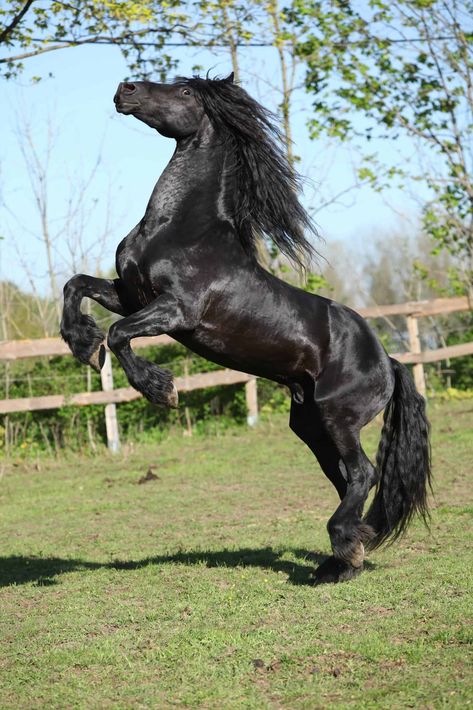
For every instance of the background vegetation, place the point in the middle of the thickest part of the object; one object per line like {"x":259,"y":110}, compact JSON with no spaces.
{"x":370,"y":75}
{"x":383,"y":278}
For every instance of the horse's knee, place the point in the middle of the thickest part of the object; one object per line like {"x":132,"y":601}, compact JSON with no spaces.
{"x":74,"y":285}
{"x":116,"y":337}
{"x":70,"y":286}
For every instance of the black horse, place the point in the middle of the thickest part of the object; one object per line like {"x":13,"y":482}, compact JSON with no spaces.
{"x":190,"y":268}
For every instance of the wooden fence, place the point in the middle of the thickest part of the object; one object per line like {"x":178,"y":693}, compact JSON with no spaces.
{"x":412,"y":311}
{"x":11,"y":350}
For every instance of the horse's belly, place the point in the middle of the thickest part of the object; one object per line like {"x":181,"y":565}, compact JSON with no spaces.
{"x":258,"y":351}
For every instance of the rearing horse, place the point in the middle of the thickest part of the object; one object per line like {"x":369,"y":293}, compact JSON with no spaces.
{"x":190,"y":269}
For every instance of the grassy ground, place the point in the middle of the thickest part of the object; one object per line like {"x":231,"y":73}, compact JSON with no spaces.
{"x":192,"y":590}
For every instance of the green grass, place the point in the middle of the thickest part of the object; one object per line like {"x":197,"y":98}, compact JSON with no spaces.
{"x":191,"y":590}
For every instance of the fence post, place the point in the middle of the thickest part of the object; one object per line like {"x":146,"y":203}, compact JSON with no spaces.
{"x":414,"y":346}
{"x":111,"y":423}
{"x":251,"y":393}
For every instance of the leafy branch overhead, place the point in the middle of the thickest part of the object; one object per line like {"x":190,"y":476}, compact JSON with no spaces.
{"x":378,"y":69}
{"x":36,"y":27}
{"x":395,"y":69}
{"x":147,"y":33}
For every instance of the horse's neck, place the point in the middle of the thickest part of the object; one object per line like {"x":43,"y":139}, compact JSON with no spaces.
{"x":192,"y":180}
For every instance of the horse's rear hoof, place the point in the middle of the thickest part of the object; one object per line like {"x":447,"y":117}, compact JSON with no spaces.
{"x":358,"y":556}
{"x":334,"y":570}
{"x":97,"y":359}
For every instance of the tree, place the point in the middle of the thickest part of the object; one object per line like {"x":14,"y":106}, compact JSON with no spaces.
{"x":401,"y":68}
{"x":61,"y":229}
{"x":147,"y":32}
{"x":34,"y":27}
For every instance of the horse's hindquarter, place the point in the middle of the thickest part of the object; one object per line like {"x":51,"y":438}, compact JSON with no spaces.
{"x":358,"y":370}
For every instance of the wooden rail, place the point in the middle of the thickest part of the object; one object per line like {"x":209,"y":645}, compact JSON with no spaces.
{"x":419,"y":309}
{"x":413,"y":310}
{"x":120,"y":394}
{"x":11,"y":350}
{"x":49,"y":347}
{"x":447,"y":353}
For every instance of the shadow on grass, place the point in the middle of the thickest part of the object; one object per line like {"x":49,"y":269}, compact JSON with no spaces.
{"x":43,"y":571}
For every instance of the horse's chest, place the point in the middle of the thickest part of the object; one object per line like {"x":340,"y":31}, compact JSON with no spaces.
{"x":134,"y":272}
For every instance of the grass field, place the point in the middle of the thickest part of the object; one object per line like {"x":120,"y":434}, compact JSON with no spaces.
{"x":192,"y":590}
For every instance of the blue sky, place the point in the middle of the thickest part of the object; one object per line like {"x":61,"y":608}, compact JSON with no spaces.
{"x":77,"y":101}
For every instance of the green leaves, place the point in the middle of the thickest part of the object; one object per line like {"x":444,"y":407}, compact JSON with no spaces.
{"x":403,"y":68}
{"x":372,"y":70}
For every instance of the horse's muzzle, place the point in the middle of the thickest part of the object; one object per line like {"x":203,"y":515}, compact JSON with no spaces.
{"x":123,"y":99}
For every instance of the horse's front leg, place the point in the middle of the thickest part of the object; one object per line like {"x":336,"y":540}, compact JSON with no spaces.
{"x":164,"y":315}
{"x":80,"y":331}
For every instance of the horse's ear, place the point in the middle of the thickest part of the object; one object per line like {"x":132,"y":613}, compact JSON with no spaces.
{"x":230,"y":78}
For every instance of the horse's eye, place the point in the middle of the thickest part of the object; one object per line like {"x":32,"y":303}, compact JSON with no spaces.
{"x":186,"y":92}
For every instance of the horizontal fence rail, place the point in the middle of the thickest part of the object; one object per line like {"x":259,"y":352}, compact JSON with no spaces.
{"x":11,"y":350}
{"x":419,"y":309}
{"x":216,"y":378}
{"x":49,"y":347}
{"x":447,"y":353}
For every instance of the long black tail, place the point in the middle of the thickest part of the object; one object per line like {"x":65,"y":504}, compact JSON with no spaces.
{"x":403,"y":462}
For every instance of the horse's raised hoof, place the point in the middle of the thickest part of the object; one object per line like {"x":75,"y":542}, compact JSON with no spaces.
{"x":173,"y":398}
{"x":97,"y":359}
{"x":334,"y":570}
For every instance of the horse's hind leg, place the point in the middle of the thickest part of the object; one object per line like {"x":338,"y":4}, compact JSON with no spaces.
{"x":80,"y":330}
{"x":306,"y":423}
{"x":347,"y":531}
{"x":344,"y":462}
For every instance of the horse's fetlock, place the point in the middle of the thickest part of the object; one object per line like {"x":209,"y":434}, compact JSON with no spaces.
{"x":84,"y":338}
{"x":348,"y":541}
{"x":155,"y":383}
{"x":365,"y":532}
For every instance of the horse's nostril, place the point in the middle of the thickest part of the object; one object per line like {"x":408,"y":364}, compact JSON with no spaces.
{"x":128,"y":88}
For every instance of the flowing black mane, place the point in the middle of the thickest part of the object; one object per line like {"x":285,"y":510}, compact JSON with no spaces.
{"x":267,"y":186}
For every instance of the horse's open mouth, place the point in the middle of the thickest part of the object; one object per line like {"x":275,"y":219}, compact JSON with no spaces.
{"x":125,"y":107}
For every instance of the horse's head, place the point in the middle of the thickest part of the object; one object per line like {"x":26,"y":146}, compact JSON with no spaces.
{"x":172,"y":109}
{"x":265,"y":185}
